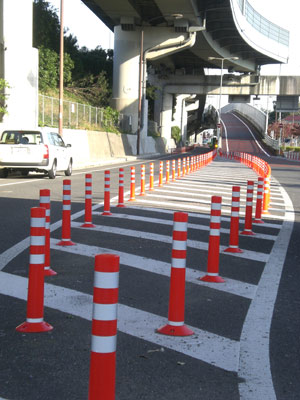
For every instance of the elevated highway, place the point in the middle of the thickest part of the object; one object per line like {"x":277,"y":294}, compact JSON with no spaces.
{"x":164,"y":43}
{"x":178,"y":39}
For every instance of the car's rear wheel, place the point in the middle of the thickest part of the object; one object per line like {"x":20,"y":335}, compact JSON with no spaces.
{"x":52,"y":171}
{"x":68,"y":171}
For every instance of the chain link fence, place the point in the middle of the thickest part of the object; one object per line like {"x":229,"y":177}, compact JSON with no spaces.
{"x":80,"y":116}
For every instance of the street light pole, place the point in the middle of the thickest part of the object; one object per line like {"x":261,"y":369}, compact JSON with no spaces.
{"x":220,"y":100}
{"x":61,"y":69}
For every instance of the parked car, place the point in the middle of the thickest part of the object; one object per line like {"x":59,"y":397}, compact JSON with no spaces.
{"x":26,"y":151}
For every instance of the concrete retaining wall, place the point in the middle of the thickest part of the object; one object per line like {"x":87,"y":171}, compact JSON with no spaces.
{"x":94,"y":148}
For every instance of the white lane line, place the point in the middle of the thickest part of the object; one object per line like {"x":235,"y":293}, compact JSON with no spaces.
{"x":251,"y":135}
{"x":231,"y":286}
{"x":226,"y":138}
{"x":13,"y":251}
{"x":189,"y":207}
{"x":197,"y":215}
{"x":190,"y":225}
{"x":254,"y":365}
{"x":248,"y":254}
{"x":205,"y":346}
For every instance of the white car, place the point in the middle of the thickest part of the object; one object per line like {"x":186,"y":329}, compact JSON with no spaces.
{"x":38,"y":151}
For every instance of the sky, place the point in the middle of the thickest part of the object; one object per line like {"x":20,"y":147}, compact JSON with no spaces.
{"x":84,"y":24}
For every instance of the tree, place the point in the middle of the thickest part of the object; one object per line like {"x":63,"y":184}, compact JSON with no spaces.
{"x":176,"y":134}
{"x":46,"y":26}
{"x":49,"y":69}
{"x":3,"y":85}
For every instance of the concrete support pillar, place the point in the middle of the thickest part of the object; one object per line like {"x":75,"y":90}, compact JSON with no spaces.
{"x":18,"y":64}
{"x":166,"y":117}
{"x":126,"y":74}
{"x":157,"y":43}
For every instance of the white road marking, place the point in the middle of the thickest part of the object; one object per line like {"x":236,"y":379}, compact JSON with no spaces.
{"x":195,"y":244}
{"x":254,"y":365}
{"x":205,"y":346}
{"x":231,"y":286}
{"x":190,"y":225}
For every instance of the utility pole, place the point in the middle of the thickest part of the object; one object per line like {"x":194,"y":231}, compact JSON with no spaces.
{"x":61,"y":70}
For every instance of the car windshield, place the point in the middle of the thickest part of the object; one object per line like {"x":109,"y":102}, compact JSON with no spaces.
{"x":20,"y":137}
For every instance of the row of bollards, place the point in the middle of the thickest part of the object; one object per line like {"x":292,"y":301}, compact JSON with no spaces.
{"x":106,"y":275}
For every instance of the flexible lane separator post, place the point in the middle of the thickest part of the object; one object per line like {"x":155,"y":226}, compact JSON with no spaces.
{"x":249,"y":206}
{"x":106,"y":210}
{"x":214,"y":242}
{"x":88,"y":203}
{"x":151,"y":179}
{"x":234,"y":222}
{"x":160,"y":178}
{"x":121,"y":188}
{"x":132,"y":184}
{"x":45,"y":203}
{"x":142,"y":192}
{"x":66,"y":215}
{"x":104,"y":327}
{"x":175,"y":325}
{"x":35,"y":295}
{"x":259,"y":201}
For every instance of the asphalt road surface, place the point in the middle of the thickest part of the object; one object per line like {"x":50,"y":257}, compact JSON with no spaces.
{"x":246,"y":330}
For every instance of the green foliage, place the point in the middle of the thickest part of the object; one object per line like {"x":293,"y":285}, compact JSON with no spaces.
{"x":110,"y":120}
{"x":46,"y":26}
{"x":88,"y":71}
{"x":49,"y":69}
{"x":94,"y":89}
{"x":176,"y":134}
{"x":3,"y":85}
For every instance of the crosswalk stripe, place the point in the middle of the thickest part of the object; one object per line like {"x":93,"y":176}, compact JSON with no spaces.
{"x":248,"y":254}
{"x":190,"y":225}
{"x":205,"y":346}
{"x":197,"y":215}
{"x":231,"y":286}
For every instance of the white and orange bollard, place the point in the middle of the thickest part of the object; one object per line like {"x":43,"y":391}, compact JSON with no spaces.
{"x":88,"y":203}
{"x":132,"y":184}
{"x":121,"y":188}
{"x":188,"y":165}
{"x":183,"y":166}
{"x":234,"y":222}
{"x":212,"y":274}
{"x":259,"y":201}
{"x":35,"y":295}
{"x":66,"y":215}
{"x":106,"y":209}
{"x":104,"y":328}
{"x":151,"y":178}
{"x":173,"y":170}
{"x":266,"y":197}
{"x":175,"y":325}
{"x":45,"y":203}
{"x":167,"y":171}
{"x":178,"y":168}
{"x":142,"y":192}
{"x":160,"y":177}
{"x":249,"y":207}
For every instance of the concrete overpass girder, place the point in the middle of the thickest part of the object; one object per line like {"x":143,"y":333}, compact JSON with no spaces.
{"x":157,"y":42}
